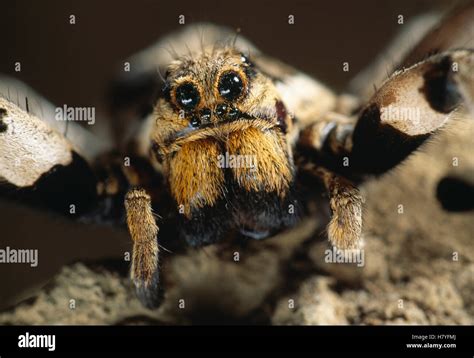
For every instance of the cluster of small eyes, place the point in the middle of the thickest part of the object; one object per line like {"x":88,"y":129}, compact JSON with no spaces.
{"x":230,"y":87}
{"x":222,"y":111}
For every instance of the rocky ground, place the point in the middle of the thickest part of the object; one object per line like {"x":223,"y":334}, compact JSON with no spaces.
{"x":418,"y":267}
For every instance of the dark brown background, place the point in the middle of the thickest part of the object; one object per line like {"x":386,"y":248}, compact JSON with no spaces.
{"x":73,"y":63}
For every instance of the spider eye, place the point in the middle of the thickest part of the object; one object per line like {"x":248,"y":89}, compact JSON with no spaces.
{"x":244,"y":58}
{"x":187,"y":96}
{"x":230,"y":86}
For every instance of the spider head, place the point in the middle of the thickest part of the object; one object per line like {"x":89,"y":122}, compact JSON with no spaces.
{"x":220,"y":133}
{"x":218,"y":86}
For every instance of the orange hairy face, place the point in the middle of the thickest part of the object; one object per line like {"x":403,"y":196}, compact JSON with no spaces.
{"x":220,"y":134}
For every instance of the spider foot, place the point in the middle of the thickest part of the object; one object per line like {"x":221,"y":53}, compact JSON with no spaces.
{"x":145,"y":270}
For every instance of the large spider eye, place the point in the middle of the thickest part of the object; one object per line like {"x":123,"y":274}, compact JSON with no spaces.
{"x":230,"y":86}
{"x":187,"y":96}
